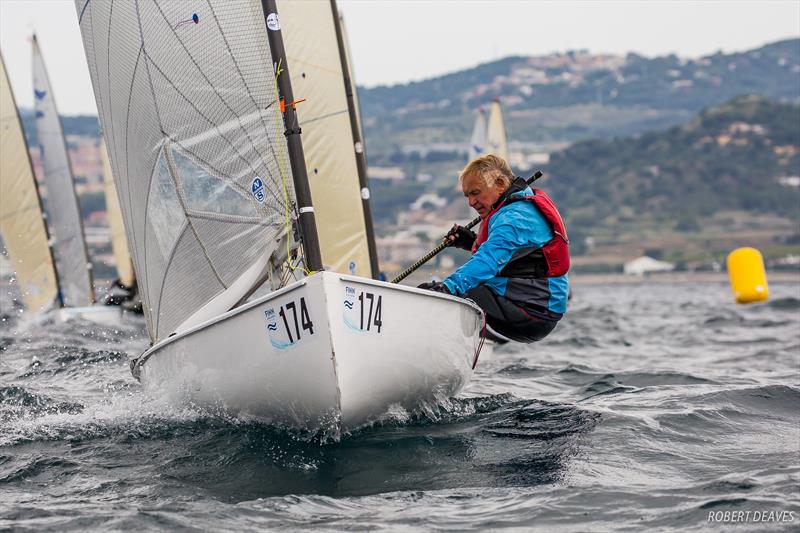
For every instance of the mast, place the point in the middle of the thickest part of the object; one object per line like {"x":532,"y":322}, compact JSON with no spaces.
{"x":306,"y":219}
{"x":361,"y":158}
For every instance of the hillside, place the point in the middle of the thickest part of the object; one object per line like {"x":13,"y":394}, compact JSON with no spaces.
{"x":739,"y":157}
{"x":575,"y":95}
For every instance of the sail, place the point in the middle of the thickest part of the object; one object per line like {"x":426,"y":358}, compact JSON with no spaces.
{"x":187,"y":99}
{"x":478,"y":142}
{"x":22,"y":227}
{"x":309,"y":36}
{"x":63,"y":214}
{"x":119,"y":242}
{"x":496,"y":132}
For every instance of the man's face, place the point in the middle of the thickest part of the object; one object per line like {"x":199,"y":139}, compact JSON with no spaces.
{"x":481,"y":196}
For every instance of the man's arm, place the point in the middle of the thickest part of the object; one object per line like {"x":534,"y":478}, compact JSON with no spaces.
{"x":505,"y":237}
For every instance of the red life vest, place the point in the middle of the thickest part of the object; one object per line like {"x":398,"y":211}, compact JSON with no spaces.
{"x":555,"y":252}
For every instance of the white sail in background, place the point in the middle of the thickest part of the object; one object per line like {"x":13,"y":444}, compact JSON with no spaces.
{"x":496,"y":132}
{"x":119,"y":241}
{"x":21,"y":224}
{"x":309,"y":36}
{"x":63,"y":214}
{"x":478,"y":142}
{"x":188,"y":102}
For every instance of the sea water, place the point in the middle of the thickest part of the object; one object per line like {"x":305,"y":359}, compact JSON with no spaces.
{"x":651,"y":407}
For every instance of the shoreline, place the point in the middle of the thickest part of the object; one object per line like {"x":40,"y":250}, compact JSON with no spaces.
{"x":789,"y":276}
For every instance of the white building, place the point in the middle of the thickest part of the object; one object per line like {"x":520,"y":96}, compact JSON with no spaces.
{"x":645,"y":264}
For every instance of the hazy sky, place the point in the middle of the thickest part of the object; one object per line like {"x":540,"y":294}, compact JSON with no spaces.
{"x":396,"y":41}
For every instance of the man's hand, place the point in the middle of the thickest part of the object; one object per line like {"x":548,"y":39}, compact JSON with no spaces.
{"x":460,"y":237}
{"x":435,"y":286}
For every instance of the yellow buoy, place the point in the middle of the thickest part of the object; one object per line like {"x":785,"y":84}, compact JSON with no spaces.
{"x":748,"y":278}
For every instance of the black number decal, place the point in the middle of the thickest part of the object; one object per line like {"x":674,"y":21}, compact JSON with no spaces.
{"x":286,"y":325}
{"x":361,"y":299}
{"x":371,"y":303}
{"x":291,"y":306}
{"x":373,"y":313}
{"x":378,"y":321}
{"x":304,"y":318}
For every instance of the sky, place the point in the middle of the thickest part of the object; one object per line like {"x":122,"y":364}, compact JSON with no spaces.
{"x":397,"y":41}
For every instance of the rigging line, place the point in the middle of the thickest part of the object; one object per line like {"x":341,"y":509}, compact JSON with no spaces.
{"x":216,"y":92}
{"x":323,"y":117}
{"x":315,"y":65}
{"x":241,"y":75}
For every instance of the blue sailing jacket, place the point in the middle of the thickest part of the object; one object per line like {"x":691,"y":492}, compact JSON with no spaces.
{"x":514,"y":227}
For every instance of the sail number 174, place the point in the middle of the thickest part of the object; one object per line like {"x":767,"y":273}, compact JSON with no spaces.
{"x":370,"y":311}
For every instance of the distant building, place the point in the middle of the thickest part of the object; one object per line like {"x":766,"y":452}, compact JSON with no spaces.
{"x":386,"y":173}
{"x":643,"y":265}
{"x":429,"y":199}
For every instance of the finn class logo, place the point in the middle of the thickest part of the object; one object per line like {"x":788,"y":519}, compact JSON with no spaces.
{"x":257,"y":188}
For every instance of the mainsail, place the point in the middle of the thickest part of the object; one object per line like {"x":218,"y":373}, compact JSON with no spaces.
{"x":64,"y":218}
{"x":496,"y":132}
{"x":188,"y":102}
{"x":477,"y":143}
{"x":21,"y":224}
{"x":318,"y":81}
{"x":119,"y":242}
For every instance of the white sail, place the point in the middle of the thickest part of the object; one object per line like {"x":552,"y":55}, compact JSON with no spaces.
{"x":478,"y":142}
{"x":22,"y":227}
{"x":63,"y":214}
{"x":315,"y":66}
{"x":188,"y":102}
{"x":119,"y":242}
{"x":496,"y":132}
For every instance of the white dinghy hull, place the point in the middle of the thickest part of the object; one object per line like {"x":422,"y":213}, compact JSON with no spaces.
{"x":330,"y":351}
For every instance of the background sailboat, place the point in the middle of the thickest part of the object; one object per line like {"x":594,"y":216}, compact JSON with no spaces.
{"x":205,"y":145}
{"x":63,"y":214}
{"x":24,"y":233}
{"x":496,"y":132}
{"x":123,"y":290}
{"x":478,"y":141}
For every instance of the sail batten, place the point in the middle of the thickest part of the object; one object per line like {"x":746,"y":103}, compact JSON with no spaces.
{"x":188,"y":97}
{"x":24,"y":233}
{"x":64,"y":218}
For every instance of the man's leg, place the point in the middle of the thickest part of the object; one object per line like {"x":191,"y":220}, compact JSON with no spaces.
{"x":506,"y":320}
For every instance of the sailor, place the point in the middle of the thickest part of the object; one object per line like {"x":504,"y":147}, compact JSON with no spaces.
{"x":518,"y":271}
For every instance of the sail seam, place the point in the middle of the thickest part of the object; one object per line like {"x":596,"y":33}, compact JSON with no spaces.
{"x":181,"y":233}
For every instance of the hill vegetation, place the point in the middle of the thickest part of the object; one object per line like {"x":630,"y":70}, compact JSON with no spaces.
{"x":576,"y":95}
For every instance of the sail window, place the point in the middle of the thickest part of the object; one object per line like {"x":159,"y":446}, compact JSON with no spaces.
{"x":164,"y":209}
{"x":205,"y":192}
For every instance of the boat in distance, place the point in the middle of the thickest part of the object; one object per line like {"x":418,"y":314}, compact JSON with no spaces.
{"x":328,"y":352}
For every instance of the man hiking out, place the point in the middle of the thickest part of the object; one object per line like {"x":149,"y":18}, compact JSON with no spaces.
{"x":518,"y":271}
